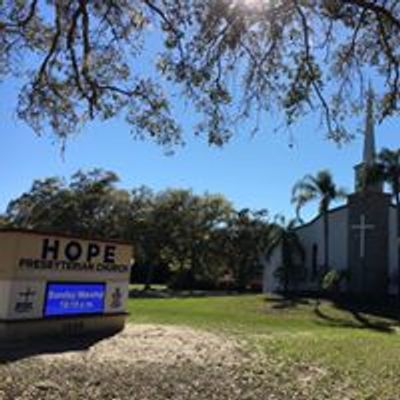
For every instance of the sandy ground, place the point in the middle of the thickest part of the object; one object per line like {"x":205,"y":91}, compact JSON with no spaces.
{"x":142,"y":362}
{"x":151,"y":362}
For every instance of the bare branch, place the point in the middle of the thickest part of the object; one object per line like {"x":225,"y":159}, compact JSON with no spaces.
{"x":42,"y":70}
{"x":379,"y":10}
{"x":70,"y":45}
{"x":92,"y":99}
{"x":31,"y":13}
{"x":393,"y":63}
{"x":316,"y":87}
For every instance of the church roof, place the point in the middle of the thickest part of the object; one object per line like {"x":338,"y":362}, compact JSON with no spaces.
{"x":331,"y":211}
{"x":317,"y":217}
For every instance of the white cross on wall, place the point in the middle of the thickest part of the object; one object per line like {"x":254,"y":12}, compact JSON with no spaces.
{"x":362,"y":227}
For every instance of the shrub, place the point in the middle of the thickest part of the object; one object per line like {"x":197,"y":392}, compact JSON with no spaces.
{"x":332,"y":280}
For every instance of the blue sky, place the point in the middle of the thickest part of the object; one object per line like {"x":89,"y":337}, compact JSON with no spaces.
{"x":256,"y":172}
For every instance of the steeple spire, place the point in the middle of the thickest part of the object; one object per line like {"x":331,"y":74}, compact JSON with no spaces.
{"x":369,"y":134}
{"x":369,"y":154}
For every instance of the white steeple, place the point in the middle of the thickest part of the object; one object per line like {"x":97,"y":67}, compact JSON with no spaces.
{"x":369,"y":134}
{"x":369,"y":154}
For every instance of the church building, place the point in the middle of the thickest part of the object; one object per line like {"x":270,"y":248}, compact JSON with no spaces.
{"x":362,"y":237}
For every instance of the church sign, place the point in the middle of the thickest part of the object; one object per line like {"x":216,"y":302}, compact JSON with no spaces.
{"x":61,"y":284}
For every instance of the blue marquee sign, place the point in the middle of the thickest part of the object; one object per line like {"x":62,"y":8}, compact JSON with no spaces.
{"x":74,"y":299}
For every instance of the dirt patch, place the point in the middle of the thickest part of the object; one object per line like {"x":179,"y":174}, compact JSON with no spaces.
{"x":142,"y":362}
{"x":151,"y":344}
{"x":156,"y":362}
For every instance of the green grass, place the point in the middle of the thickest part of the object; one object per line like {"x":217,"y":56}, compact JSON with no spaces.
{"x":253,"y":314}
{"x":360,"y":350}
{"x":140,"y":286}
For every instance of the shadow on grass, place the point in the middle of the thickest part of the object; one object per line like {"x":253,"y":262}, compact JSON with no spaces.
{"x":287,"y":302}
{"x":14,"y":351}
{"x":359,"y":321}
{"x":183,"y":294}
{"x":380,"y":315}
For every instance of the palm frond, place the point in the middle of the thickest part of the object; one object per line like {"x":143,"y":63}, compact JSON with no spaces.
{"x":341,"y":193}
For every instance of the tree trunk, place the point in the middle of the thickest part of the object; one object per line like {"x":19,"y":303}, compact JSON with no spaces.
{"x":286,"y":277}
{"x":326,"y":241}
{"x":284,"y":256}
{"x":149,"y":277}
{"x":286,"y":280}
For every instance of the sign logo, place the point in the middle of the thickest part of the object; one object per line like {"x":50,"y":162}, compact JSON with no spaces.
{"x":25,"y":304}
{"x":116,"y":298}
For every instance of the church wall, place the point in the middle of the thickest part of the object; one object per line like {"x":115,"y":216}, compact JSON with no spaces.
{"x":393,"y":255}
{"x":338,"y":232}
{"x":312,"y":234}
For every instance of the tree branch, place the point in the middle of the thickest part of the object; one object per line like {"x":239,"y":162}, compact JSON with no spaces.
{"x":53,"y":47}
{"x":316,"y":87}
{"x":31,"y":13}
{"x":377,"y":9}
{"x":92,"y":99}
{"x":70,"y":46}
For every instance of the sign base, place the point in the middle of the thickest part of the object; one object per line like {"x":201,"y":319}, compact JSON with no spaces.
{"x":25,"y":330}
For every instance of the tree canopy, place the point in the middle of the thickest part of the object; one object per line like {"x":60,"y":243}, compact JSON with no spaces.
{"x":229,"y":59}
{"x":197,"y":239}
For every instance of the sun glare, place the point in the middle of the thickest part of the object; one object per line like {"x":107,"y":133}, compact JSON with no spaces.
{"x":251,"y":4}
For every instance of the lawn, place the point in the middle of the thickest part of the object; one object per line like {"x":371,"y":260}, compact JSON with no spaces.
{"x":337,"y":351}
{"x":220,"y":348}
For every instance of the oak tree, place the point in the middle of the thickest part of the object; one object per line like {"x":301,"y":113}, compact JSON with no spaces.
{"x":229,"y":59}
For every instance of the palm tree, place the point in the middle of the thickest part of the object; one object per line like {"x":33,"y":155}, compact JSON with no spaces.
{"x":292,"y":252}
{"x":388,"y":170}
{"x":322,"y":188}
